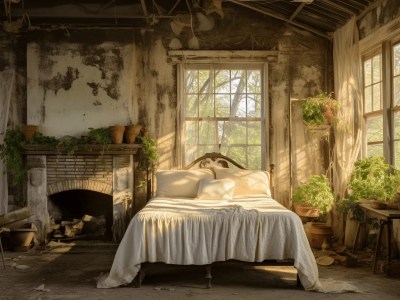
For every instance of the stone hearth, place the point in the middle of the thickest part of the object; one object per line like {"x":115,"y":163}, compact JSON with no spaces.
{"x":108,"y":171}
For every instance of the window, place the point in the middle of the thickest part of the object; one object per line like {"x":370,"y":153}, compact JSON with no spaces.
{"x":224,"y":111}
{"x":396,"y":102}
{"x":373,"y":109}
{"x":382,"y":103}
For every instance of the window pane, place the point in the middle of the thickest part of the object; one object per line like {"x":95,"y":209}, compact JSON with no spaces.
{"x":191,"y":153}
{"x":367,"y":72}
{"x":191,"y":133}
{"x":396,"y":59}
{"x":368,"y":99}
{"x":206,"y":132}
{"x":254,"y":157}
{"x":239,"y":105}
{"x":205,"y":81}
{"x":396,"y":91}
{"x":222,"y":105}
{"x":238,"y":81}
{"x":239,"y":154}
{"x":191,"y":105}
{"x":236,"y":132}
{"x":206,"y":104}
{"x":376,"y":96}
{"x":254,"y":81}
{"x":222,"y":81}
{"x":397,"y":154}
{"x":192,"y":83}
{"x":254,"y":106}
{"x":374,"y":129}
{"x":397,"y":125}
{"x":254,"y":133}
{"x":375,"y":150}
{"x":376,"y":68}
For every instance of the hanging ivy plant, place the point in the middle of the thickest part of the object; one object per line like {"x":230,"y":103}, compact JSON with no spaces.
{"x":11,"y":152}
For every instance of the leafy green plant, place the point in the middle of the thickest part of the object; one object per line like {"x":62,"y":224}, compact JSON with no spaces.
{"x":319,"y":109}
{"x":316,"y":192}
{"x":372,"y":178}
{"x":148,"y":155}
{"x":40,"y":139}
{"x":11,"y":152}
{"x":99,"y":136}
{"x":69,"y":145}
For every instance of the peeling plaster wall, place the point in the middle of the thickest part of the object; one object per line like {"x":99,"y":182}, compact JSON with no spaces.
{"x":155,"y":94}
{"x":74,"y":85}
{"x":97,"y":77}
{"x":387,"y":11}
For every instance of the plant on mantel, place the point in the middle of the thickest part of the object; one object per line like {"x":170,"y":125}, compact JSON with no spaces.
{"x":11,"y":151}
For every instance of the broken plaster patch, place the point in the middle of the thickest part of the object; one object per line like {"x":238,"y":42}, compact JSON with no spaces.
{"x":61,"y":81}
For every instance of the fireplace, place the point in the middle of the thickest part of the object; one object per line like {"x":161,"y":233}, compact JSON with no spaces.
{"x":71,"y":185}
{"x":91,"y":213}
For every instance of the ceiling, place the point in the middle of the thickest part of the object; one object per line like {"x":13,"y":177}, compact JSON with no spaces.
{"x":318,"y":16}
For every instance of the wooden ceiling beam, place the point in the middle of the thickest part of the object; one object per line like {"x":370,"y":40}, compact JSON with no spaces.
{"x":276,"y":15}
{"x":339,"y":7}
{"x":297,"y":11}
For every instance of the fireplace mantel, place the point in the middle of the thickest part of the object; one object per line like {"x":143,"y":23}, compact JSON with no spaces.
{"x":113,"y":149}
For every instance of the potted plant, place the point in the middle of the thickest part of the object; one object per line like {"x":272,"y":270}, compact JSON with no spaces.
{"x":375,"y":181}
{"x":132,"y":132}
{"x":320,"y":109}
{"x":314,"y":197}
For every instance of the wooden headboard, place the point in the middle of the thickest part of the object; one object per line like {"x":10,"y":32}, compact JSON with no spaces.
{"x":217,"y":159}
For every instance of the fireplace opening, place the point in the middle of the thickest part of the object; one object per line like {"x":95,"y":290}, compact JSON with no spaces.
{"x":80,"y":214}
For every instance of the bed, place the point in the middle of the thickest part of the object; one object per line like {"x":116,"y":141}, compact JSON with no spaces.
{"x":212,"y":211}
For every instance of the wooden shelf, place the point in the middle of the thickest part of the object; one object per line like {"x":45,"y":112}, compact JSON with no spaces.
{"x":113,"y":149}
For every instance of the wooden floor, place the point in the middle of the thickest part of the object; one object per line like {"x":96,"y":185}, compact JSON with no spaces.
{"x":70,"y":273}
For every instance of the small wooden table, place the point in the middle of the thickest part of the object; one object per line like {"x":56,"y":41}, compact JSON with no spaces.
{"x":385,"y":218}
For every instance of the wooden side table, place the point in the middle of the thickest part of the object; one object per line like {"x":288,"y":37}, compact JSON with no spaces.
{"x":385,"y":218}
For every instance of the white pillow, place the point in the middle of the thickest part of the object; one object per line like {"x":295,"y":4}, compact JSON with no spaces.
{"x":247,"y":182}
{"x":216,"y":189}
{"x":180,"y":183}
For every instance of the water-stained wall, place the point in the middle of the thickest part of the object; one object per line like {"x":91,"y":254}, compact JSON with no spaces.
{"x":80,"y":78}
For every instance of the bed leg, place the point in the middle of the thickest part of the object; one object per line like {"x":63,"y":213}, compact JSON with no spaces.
{"x":137,"y":282}
{"x":208,"y":276}
{"x":298,"y":282}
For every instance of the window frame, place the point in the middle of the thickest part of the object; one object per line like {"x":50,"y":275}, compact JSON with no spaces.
{"x":264,"y":119}
{"x":388,"y":111}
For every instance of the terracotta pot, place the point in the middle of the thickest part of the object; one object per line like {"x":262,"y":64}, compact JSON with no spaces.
{"x":28,"y":131}
{"x":306,"y":211}
{"x":132,"y":132}
{"x":319,"y":232}
{"x":117,"y":133}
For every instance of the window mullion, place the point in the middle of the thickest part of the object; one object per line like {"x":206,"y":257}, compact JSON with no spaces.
{"x":388,"y":145}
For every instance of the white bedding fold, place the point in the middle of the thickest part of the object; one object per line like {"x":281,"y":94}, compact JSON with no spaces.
{"x":193,"y":231}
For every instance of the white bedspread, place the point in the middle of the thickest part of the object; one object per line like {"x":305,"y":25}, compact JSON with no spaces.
{"x":192,"y":231}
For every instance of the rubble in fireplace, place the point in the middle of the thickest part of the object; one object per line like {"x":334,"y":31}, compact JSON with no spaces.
{"x":87,"y":227}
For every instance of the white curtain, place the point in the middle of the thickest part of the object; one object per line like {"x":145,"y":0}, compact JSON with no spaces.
{"x":6,"y":87}
{"x":348,"y":91}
